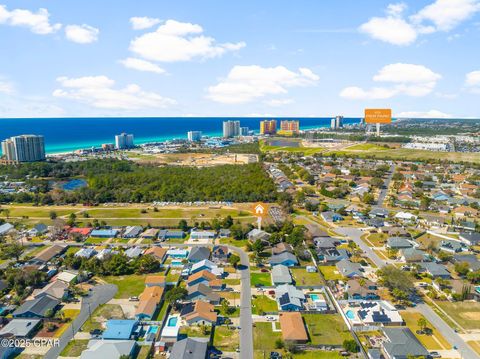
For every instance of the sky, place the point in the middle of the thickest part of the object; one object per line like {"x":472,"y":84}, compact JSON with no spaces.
{"x":81,"y":58}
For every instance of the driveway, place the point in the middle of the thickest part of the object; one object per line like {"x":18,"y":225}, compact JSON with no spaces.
{"x":99,"y":295}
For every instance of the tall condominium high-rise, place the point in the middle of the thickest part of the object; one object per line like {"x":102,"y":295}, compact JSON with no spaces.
{"x":268,"y":127}
{"x":336,"y":122}
{"x":290,"y":126}
{"x":231,"y":129}
{"x":244,"y":131}
{"x":123,"y":141}
{"x":24,"y":148}
{"x":194,"y":136}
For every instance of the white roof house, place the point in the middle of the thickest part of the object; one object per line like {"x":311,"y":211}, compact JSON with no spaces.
{"x":5,"y":228}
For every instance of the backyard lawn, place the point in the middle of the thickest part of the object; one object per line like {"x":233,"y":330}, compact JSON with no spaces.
{"x":262,"y":303}
{"x":69,"y":314}
{"x":302,"y":277}
{"x":196,"y":331}
{"x":225,"y":339}
{"x":264,"y":337}
{"x":467,"y":314}
{"x":74,"y":348}
{"x":327,"y":329}
{"x":432,"y":342}
{"x":261,"y":279}
{"x":102,"y":313}
{"x":330,"y":273}
{"x":128,"y":285}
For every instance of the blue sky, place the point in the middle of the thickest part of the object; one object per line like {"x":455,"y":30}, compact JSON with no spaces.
{"x":239,"y":58}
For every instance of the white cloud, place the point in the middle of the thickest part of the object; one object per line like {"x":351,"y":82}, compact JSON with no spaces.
{"x":246,"y":83}
{"x":279,"y":102}
{"x":6,"y":87}
{"x":38,"y":22}
{"x":407,"y":79}
{"x":98,"y":91}
{"x":141,"y":65}
{"x":81,"y":34}
{"x":447,"y":14}
{"x":442,"y":15}
{"x":179,"y":41}
{"x":141,"y":23}
{"x":472,"y":79}
{"x":390,"y":29}
{"x":423,"y":114}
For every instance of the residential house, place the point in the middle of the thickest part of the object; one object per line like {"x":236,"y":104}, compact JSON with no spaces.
{"x":203,"y":292}
{"x":331,"y":217}
{"x":205,"y":277}
{"x":332,"y":255}
{"x":190,"y":348}
{"x":155,"y":281}
{"x":451,"y":246}
{"x":177,"y":253}
{"x":111,"y":349}
{"x":471,"y":259}
{"x":349,"y":269}
{"x":219,"y":254}
{"x":434,"y":269}
{"x":207,"y":265}
{"x":85,"y":252}
{"x":119,"y":329}
{"x":379,"y":213}
{"x":38,"y":230}
{"x":398,"y":243}
{"x":157,"y":252}
{"x":36,"y":308}
{"x":281,"y":275}
{"x":326,"y":242}
{"x":401,"y":343}
{"x":198,"y":254}
{"x":257,"y":234}
{"x":104,"y":233}
{"x":362,"y":289}
{"x":282,"y":247}
{"x":196,"y":235}
{"x":56,"y":289}
{"x":20,"y":328}
{"x":149,"y":301}
{"x":150,"y":233}
{"x":289,"y":298}
{"x":199,"y":312}
{"x":286,"y":258}
{"x":134,"y":252}
{"x":167,"y":234}
{"x":412,"y":255}
{"x":49,"y":253}
{"x":471,"y":239}
{"x":5,"y":228}
{"x":378,"y":313}
{"x":224,"y":233}
{"x":293,"y":327}
{"x":132,"y":231}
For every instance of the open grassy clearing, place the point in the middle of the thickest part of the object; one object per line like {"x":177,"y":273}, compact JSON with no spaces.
{"x":435,"y":341}
{"x":263,"y":304}
{"x":74,"y":348}
{"x":328,"y":329}
{"x":302,"y":277}
{"x":261,"y":279}
{"x":226,"y":339}
{"x":102,"y":313}
{"x":128,"y":285}
{"x":467,"y":314}
{"x":264,"y":337}
{"x":330,"y":273}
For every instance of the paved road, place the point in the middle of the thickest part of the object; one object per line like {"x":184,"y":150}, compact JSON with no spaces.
{"x":384,"y":191}
{"x":448,"y":333}
{"x":99,"y":295}
{"x":355,"y":234}
{"x":246,"y":322}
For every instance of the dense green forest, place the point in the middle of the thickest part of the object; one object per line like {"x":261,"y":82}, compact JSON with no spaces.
{"x":123,"y":181}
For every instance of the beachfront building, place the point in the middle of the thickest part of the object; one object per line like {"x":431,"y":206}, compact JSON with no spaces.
{"x":194,"y":136}
{"x":24,"y":148}
{"x":124,"y":141}
{"x":268,"y":127}
{"x":289,"y":127}
{"x":231,"y":129}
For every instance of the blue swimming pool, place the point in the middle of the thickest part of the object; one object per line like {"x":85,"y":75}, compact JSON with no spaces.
{"x":172,"y":321}
{"x":314,"y":297}
{"x":153,"y":329}
{"x":350,"y":315}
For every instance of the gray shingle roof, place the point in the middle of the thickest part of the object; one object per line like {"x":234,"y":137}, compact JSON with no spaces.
{"x":402,"y":342}
{"x":189,"y":348}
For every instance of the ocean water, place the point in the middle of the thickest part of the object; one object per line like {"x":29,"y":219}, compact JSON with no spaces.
{"x":68,"y":134}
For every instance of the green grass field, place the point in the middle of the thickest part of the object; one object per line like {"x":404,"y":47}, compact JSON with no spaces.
{"x":467,"y":314}
{"x":102,"y":313}
{"x":302,"y":277}
{"x":225,"y":339}
{"x":330,"y":273}
{"x":262,"y":304}
{"x":432,"y":342}
{"x":263,"y":279}
{"x":74,"y":348}
{"x":264,"y":337}
{"x":328,"y":329}
{"x":128,"y":285}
